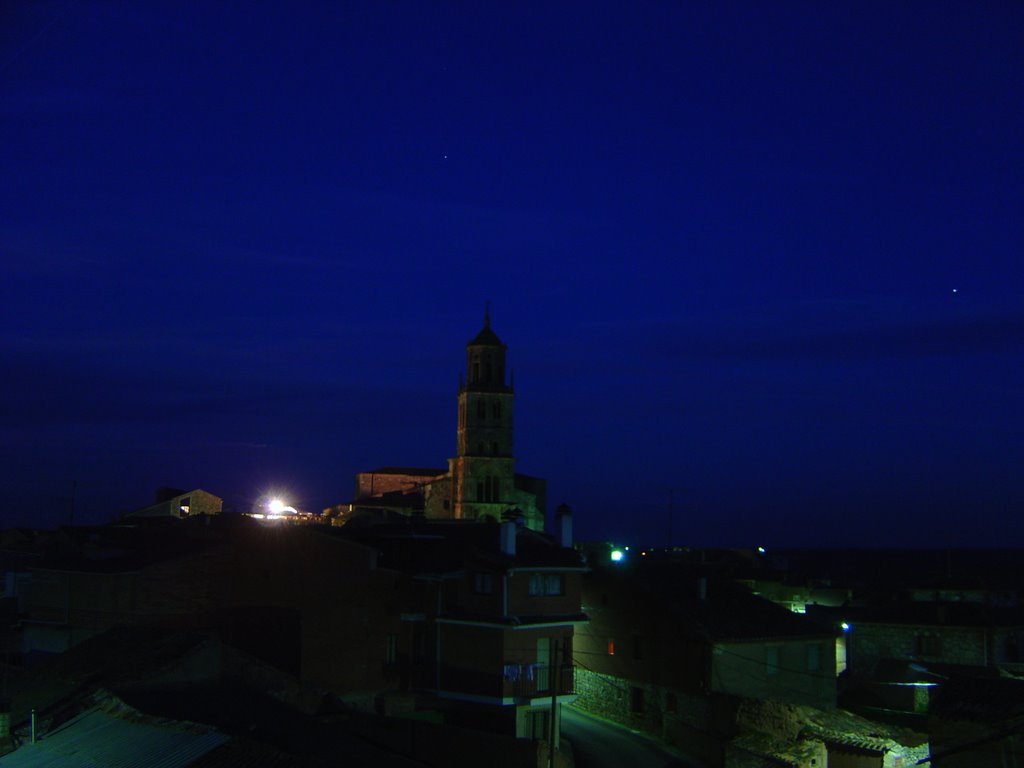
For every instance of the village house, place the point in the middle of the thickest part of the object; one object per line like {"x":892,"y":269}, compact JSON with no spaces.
{"x":673,"y":651}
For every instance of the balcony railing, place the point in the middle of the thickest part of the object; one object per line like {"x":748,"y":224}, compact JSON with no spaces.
{"x":527,"y":681}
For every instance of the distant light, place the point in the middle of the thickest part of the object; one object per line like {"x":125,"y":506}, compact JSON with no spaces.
{"x":845,"y":627}
{"x":761,"y":550}
{"x":956,"y":290}
{"x":617,"y":555}
{"x":644,"y":553}
{"x":626,"y":548}
{"x":276,"y":506}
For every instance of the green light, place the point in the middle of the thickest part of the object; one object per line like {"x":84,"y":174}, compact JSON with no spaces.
{"x":617,"y":555}
{"x":844,"y":626}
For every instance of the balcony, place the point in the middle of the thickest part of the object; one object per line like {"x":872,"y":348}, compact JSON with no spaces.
{"x":527,"y":681}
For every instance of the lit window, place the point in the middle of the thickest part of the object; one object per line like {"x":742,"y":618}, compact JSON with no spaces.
{"x":611,"y":647}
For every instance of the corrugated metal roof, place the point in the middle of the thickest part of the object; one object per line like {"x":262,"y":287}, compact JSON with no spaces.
{"x":98,"y":739}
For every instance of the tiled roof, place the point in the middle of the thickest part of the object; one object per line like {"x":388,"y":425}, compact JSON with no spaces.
{"x":926,"y":614}
{"x":433,"y":547}
{"x":102,"y":737}
{"x":727,"y":612}
{"x":412,"y":471}
{"x":978,"y":699}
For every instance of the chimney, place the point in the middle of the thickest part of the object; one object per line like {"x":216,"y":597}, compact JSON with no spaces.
{"x":508,"y":538}
{"x":563,"y":526}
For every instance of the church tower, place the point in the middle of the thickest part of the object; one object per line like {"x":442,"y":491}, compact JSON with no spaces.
{"x":483,"y":473}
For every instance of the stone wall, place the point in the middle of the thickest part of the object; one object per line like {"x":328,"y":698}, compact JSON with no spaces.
{"x":868,"y":643}
{"x":683,"y":720}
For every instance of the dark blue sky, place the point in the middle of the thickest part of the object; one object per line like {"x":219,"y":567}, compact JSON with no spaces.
{"x":243,"y":245}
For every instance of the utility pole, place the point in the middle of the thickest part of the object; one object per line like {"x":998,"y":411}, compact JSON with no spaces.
{"x":554,"y":702}
{"x":671,"y":493}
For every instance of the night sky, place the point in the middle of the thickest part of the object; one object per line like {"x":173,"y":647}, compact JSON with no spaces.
{"x":762,"y":258}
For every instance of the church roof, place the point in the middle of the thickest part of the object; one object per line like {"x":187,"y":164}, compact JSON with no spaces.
{"x":486,"y":337}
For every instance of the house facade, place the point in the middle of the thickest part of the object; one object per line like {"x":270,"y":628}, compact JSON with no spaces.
{"x":674,"y":653}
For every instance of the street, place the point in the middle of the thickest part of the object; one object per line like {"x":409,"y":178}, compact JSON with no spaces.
{"x":599,"y":744}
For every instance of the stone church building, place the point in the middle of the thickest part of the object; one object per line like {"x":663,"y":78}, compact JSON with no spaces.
{"x":480,"y":482}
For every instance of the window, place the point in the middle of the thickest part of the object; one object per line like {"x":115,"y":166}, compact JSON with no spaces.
{"x":184,"y":506}
{"x":483,"y":583}
{"x":487,"y":371}
{"x":543,"y":664}
{"x":1012,"y":648}
{"x":481,"y":409}
{"x":813,"y":658}
{"x":611,"y":647}
{"x":771,"y":660}
{"x":636,"y":699}
{"x":537,"y":724}
{"x":480,"y":490}
{"x":496,"y":409}
{"x":546,"y":584}
{"x":929,"y":645}
{"x":494,"y":449}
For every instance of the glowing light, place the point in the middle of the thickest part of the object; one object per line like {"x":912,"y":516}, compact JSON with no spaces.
{"x":276,"y":506}
{"x":761,"y":550}
{"x":844,"y":626}
{"x":617,"y":555}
